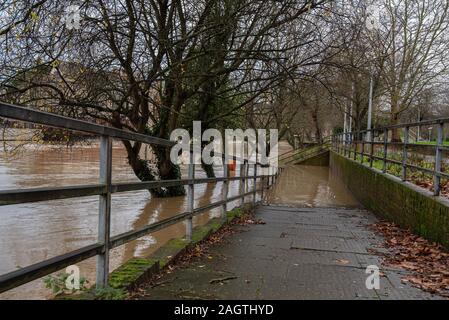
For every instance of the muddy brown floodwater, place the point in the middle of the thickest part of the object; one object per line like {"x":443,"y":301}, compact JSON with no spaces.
{"x":309,"y":186}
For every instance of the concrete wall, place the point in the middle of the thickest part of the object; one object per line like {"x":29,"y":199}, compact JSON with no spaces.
{"x":391,"y":199}
{"x":320,"y":160}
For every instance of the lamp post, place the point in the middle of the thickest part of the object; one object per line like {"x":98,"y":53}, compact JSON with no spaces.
{"x":370,"y":105}
{"x":347,"y":124}
{"x":372,"y":25}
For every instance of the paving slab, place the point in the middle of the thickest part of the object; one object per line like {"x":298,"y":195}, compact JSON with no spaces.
{"x":299,"y":253}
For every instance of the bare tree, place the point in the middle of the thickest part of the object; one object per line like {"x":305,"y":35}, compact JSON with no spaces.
{"x":413,"y":46}
{"x":144,"y":65}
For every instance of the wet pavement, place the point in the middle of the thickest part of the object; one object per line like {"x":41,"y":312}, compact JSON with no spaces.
{"x":300,"y":253}
{"x":305,"y":250}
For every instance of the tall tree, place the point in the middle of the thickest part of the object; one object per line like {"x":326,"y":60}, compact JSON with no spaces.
{"x":139,"y":65}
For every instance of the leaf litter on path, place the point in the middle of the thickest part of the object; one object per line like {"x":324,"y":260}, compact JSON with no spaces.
{"x":427,"y":262}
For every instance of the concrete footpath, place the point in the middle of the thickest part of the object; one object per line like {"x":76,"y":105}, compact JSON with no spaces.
{"x":300,"y":253}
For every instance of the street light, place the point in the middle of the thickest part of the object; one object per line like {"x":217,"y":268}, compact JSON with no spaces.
{"x":372,"y":25}
{"x":370,"y":104}
{"x":347,"y":125}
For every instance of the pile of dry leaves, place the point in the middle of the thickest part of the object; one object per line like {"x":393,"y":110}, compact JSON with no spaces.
{"x":428,"y":184}
{"x":201,"y":249}
{"x":428,"y":262}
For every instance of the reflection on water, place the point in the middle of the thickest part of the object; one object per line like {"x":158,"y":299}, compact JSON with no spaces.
{"x":30,"y":233}
{"x":309,"y":186}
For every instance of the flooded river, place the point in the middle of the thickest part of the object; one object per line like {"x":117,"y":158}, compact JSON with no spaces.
{"x":30,"y":233}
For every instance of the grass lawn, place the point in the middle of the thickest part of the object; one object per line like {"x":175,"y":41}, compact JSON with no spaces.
{"x":432,"y":143}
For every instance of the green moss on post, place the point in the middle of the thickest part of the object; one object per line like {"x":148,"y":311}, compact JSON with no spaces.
{"x":133,"y":271}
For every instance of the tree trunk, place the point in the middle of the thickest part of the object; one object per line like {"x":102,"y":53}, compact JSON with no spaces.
{"x":318,"y":137}
{"x":140,"y":168}
{"x":167,"y":170}
{"x":396,"y":133}
{"x":208,"y":169}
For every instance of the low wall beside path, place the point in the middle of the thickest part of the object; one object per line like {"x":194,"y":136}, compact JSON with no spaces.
{"x":394,"y":200}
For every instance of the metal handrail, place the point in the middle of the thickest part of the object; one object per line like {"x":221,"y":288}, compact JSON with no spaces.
{"x":104,"y":190}
{"x":324,"y":144}
{"x":347,"y":144}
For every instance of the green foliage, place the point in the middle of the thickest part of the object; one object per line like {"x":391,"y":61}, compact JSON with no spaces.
{"x":396,"y":169}
{"x":57,"y":284}
{"x":433,"y":143}
{"x":109,"y":294}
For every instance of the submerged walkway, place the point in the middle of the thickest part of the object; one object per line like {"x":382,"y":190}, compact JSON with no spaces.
{"x":299,"y":253}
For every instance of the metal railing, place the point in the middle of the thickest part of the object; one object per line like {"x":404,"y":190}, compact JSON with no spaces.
{"x":105,"y":188}
{"x":302,"y":154}
{"x":353,"y":145}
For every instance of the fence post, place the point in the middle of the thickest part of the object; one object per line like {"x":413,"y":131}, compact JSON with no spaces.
{"x":352,"y":143}
{"x":342,"y":143}
{"x":242,"y":182}
{"x":255,"y":184}
{"x":355,"y":145}
{"x":346,"y":144}
{"x":438,"y":158}
{"x":337,"y":142}
{"x":224,"y":191}
{"x":371,"y":159}
{"x":404,"y":154}
{"x":268,"y":177}
{"x":104,"y":221}
{"x":384,"y":169}
{"x":339,"y":139}
{"x":190,"y":197}
{"x":363,"y":148}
